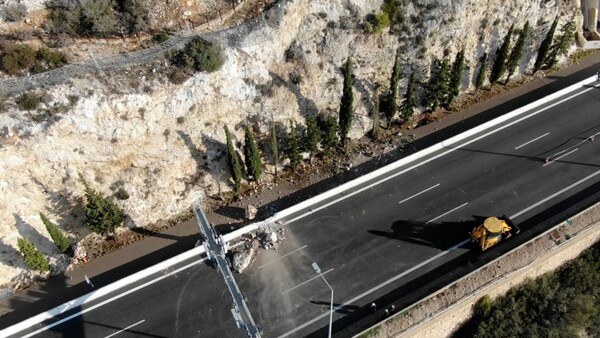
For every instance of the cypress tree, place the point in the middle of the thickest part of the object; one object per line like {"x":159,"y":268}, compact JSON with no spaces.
{"x":436,"y":92}
{"x":392,"y":107}
{"x":32,"y":256}
{"x":561,"y":45}
{"x":312,"y":136}
{"x":542,"y":55}
{"x":293,"y":149}
{"x":458,"y":68}
{"x":330,"y":132}
{"x":101,"y":215}
{"x":233,"y":161}
{"x":499,"y":66}
{"x":346,"y":106}
{"x":517,"y":52}
{"x":60,"y":240}
{"x":410,"y":101}
{"x":482,"y":71}
{"x":251,"y":155}
{"x":274,"y":147}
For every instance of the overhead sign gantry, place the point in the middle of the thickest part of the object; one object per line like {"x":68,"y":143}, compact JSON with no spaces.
{"x":216,"y":249}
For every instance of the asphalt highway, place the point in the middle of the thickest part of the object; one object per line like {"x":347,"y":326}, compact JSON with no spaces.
{"x":373,"y":240}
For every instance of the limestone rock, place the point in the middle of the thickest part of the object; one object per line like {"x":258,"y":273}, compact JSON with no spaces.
{"x":241,"y":260}
{"x":251,"y":212}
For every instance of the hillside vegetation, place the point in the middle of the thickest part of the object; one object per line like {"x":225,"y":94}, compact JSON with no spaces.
{"x":565,"y":303}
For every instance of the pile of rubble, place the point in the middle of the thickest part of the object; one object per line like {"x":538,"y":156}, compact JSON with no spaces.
{"x":266,"y":238}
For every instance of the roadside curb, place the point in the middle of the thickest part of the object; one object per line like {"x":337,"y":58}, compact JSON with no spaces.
{"x":14,"y":329}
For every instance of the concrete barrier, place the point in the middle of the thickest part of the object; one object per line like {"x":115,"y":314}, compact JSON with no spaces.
{"x":287,"y":212}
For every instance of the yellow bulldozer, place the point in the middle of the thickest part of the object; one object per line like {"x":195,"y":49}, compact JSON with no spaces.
{"x":492,"y":231}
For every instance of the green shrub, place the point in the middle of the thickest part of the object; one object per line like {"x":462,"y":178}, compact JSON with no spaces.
{"x":160,"y":37}
{"x":28,"y":101}
{"x":17,"y":58}
{"x":51,"y":58}
{"x":483,"y":307}
{"x":101,"y":215}
{"x":63,"y":244}
{"x":200,"y":55}
{"x":32,"y":256}
{"x":377,"y":23}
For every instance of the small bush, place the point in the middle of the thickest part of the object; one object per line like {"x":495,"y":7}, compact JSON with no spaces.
{"x":483,"y":307}
{"x":17,"y":58}
{"x":28,"y":101}
{"x":14,"y":12}
{"x":160,"y":37}
{"x":200,"y":55}
{"x":32,"y":256}
{"x":377,"y":23}
{"x":50,"y":58}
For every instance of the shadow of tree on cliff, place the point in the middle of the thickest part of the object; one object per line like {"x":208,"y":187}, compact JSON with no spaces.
{"x":30,"y":233}
{"x":307,"y":107}
{"x":198,"y":157}
{"x":66,"y":207}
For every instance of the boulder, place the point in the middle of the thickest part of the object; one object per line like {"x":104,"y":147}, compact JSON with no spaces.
{"x":251,"y":212}
{"x":241,"y":260}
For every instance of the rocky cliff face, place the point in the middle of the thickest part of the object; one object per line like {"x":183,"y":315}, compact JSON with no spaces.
{"x":162,"y":145}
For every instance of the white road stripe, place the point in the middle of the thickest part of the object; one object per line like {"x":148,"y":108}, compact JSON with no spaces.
{"x":287,"y":254}
{"x":528,"y":142}
{"x":391,"y":280}
{"x":555,"y":194}
{"x":419,"y":193}
{"x":125,"y":293}
{"x":389,"y":177}
{"x":558,"y":158}
{"x":299,"y":285}
{"x":127,"y":328}
{"x":375,"y":288}
{"x":446,"y":213}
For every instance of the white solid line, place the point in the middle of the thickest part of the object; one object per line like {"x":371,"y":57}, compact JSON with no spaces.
{"x":287,"y":254}
{"x":558,"y":158}
{"x":535,"y":139}
{"x":299,"y":285}
{"x":493,"y":131}
{"x":446,"y":213}
{"x":434,"y":257}
{"x":127,"y":328}
{"x":419,"y":193}
{"x":49,"y":326}
{"x":375,"y":288}
{"x":555,"y":194}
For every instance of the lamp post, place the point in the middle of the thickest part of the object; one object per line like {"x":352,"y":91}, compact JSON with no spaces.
{"x":318,"y":270}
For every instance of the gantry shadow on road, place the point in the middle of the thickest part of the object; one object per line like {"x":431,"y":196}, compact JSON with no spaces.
{"x":525,"y":98}
{"x":405,"y":295}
